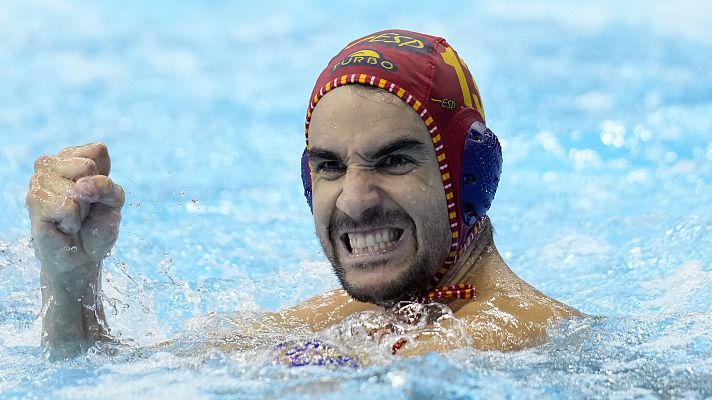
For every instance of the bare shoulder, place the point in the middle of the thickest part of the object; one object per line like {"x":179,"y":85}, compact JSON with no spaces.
{"x":324,"y":310}
{"x":505,"y":321}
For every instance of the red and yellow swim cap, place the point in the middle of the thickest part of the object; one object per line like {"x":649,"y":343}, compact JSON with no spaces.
{"x":428,"y":75}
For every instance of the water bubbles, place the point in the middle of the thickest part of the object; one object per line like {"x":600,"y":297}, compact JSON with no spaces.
{"x":166,"y":262}
{"x":397,"y":379}
{"x":551,"y":143}
{"x":583,"y":159}
{"x":594,"y":101}
{"x":643,"y":134}
{"x":613,"y":133}
{"x":380,"y":334}
{"x":640,"y":175}
{"x":549,"y":177}
{"x":72,"y":249}
{"x":670,"y":156}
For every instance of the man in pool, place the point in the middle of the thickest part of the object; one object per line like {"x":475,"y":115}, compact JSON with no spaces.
{"x":399,"y":171}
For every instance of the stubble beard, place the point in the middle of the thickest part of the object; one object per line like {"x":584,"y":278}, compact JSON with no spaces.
{"x":409,"y":285}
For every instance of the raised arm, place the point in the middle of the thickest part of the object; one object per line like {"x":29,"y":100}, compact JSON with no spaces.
{"x":75,"y":210}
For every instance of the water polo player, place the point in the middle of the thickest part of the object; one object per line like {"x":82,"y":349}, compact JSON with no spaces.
{"x":399,"y":170}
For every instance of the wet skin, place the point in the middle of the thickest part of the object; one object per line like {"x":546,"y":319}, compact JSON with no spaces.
{"x":379,"y":210}
{"x":75,"y":213}
{"x":356,"y":169}
{"x":376,"y":180}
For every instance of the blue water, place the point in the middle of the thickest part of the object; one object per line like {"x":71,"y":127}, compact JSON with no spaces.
{"x":605,"y":116}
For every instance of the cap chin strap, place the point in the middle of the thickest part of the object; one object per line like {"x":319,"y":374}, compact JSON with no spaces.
{"x":459,"y":291}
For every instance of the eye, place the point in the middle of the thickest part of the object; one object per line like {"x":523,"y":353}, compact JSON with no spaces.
{"x":396,"y":164}
{"x":330,"y":169}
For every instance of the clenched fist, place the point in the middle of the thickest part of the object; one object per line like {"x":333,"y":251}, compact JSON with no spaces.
{"x":74,"y":208}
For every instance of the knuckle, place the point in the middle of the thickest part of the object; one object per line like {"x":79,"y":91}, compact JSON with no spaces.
{"x":42,"y":162}
{"x":101,"y":156}
{"x":71,"y":149}
{"x":102,"y":150}
{"x":65,"y":152}
{"x":35,"y":196}
{"x":87,"y":167}
{"x":101,"y":183}
{"x":40,"y":180}
{"x":34,"y":182}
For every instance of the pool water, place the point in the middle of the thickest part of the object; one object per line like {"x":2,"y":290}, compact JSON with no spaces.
{"x":604,"y":112}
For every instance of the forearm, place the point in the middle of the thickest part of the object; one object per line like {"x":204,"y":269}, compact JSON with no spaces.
{"x":72,"y":314}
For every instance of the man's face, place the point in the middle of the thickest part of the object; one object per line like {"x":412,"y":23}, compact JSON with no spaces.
{"x":379,"y":205}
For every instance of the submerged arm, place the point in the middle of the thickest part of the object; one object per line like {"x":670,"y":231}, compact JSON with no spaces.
{"x":244,"y":332}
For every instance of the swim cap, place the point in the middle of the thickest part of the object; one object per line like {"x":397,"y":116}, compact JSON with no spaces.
{"x":429,"y":76}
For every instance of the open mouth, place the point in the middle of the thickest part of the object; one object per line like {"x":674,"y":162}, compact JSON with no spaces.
{"x":370,"y":242}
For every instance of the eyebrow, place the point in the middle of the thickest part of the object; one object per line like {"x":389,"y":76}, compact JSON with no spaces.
{"x":396,"y":146}
{"x":317,"y":153}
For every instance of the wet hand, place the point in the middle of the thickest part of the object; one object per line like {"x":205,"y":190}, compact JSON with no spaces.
{"x":75,"y":210}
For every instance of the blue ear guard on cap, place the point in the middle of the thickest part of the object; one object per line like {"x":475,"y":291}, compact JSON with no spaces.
{"x":481,"y":168}
{"x":306,"y":179}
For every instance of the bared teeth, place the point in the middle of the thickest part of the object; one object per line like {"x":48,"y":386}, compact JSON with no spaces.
{"x":369,"y":242}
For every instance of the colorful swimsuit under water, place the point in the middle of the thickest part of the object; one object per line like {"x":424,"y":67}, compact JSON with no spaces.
{"x":300,"y":353}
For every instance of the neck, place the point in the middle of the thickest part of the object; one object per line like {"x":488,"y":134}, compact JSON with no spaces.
{"x":471,"y":263}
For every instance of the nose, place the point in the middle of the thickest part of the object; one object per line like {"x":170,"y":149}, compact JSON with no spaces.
{"x":358,"y":194}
